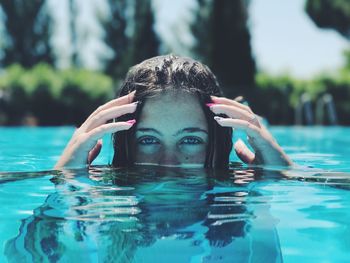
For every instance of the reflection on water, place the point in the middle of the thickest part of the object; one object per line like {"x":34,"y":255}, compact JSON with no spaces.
{"x":150,"y":215}
{"x":175,"y":215}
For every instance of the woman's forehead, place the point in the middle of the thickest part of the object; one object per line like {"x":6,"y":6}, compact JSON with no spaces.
{"x":174,"y":109}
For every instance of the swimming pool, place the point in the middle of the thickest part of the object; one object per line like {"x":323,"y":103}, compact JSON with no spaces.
{"x":175,"y":215}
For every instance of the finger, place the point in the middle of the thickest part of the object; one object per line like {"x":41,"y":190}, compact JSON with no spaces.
{"x":251,"y":130}
{"x":116,"y":102}
{"x":103,"y":116}
{"x":239,"y":99}
{"x":95,"y":151}
{"x":98,"y":132}
{"x":243,"y":152}
{"x":235,"y":102}
{"x":234,"y":112}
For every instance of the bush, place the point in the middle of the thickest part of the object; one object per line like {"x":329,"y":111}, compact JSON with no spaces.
{"x":52,"y":96}
{"x":66,"y":97}
{"x":274,"y":98}
{"x":278,"y":96}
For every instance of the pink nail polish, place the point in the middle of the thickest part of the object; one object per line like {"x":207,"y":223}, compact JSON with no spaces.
{"x":210,"y":104}
{"x":131,"y":122}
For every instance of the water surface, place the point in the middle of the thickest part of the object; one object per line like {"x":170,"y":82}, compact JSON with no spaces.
{"x":143,"y":214}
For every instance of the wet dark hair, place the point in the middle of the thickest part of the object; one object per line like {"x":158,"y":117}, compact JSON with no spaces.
{"x":160,"y":74}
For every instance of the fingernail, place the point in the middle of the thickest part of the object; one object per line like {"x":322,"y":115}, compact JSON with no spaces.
{"x":132,"y":122}
{"x":210,"y":104}
{"x":240,"y":142}
{"x":130,"y":96}
{"x":217,"y":118}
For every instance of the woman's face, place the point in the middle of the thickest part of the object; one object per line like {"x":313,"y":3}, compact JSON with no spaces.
{"x":172,"y":131}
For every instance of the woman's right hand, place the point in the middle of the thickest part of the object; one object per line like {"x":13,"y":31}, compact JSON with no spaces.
{"x":86,"y":143}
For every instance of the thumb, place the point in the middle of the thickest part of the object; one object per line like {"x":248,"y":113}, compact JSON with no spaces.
{"x":239,"y":99}
{"x":95,"y":151}
{"x":243,"y":152}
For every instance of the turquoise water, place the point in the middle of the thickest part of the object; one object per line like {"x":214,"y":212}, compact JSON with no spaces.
{"x":174,"y":215}
{"x":37,"y":149}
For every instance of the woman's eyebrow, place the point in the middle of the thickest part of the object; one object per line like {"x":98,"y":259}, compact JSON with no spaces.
{"x":191,"y":129}
{"x":148,"y":130}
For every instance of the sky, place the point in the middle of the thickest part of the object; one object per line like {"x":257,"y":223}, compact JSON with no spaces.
{"x":283,"y":38}
{"x":89,"y":32}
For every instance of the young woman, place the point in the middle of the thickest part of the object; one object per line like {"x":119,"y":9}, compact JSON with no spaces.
{"x":171,"y":113}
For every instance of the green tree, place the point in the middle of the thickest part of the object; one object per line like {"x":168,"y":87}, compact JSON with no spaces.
{"x":202,"y":22}
{"x":346,"y":54}
{"x":145,"y":42}
{"x":334,"y":14}
{"x":140,"y":44}
{"x":75,"y":60}
{"x":116,"y":38}
{"x":28,"y":26}
{"x":223,"y":43}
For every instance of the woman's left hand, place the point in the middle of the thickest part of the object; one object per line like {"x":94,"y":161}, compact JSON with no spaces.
{"x":240,"y":116}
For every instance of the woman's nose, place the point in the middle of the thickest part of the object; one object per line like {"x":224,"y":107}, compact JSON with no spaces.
{"x":169,"y":158}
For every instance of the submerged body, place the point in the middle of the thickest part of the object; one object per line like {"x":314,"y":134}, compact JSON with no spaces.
{"x":148,"y":215}
{"x":90,"y":213}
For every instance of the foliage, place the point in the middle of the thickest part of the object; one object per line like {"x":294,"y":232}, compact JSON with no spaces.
{"x":116,"y":38}
{"x":223,"y":43}
{"x":73,"y":28}
{"x":145,"y":42}
{"x":28,"y":32}
{"x":69,"y":96}
{"x":334,"y":14}
{"x":129,"y":49}
{"x":346,"y":55}
{"x":272,"y":98}
{"x":53,"y":97}
{"x":277,"y":97}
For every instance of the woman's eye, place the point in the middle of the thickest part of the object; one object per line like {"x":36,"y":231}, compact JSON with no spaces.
{"x":148,"y":141}
{"x":191,"y":140}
